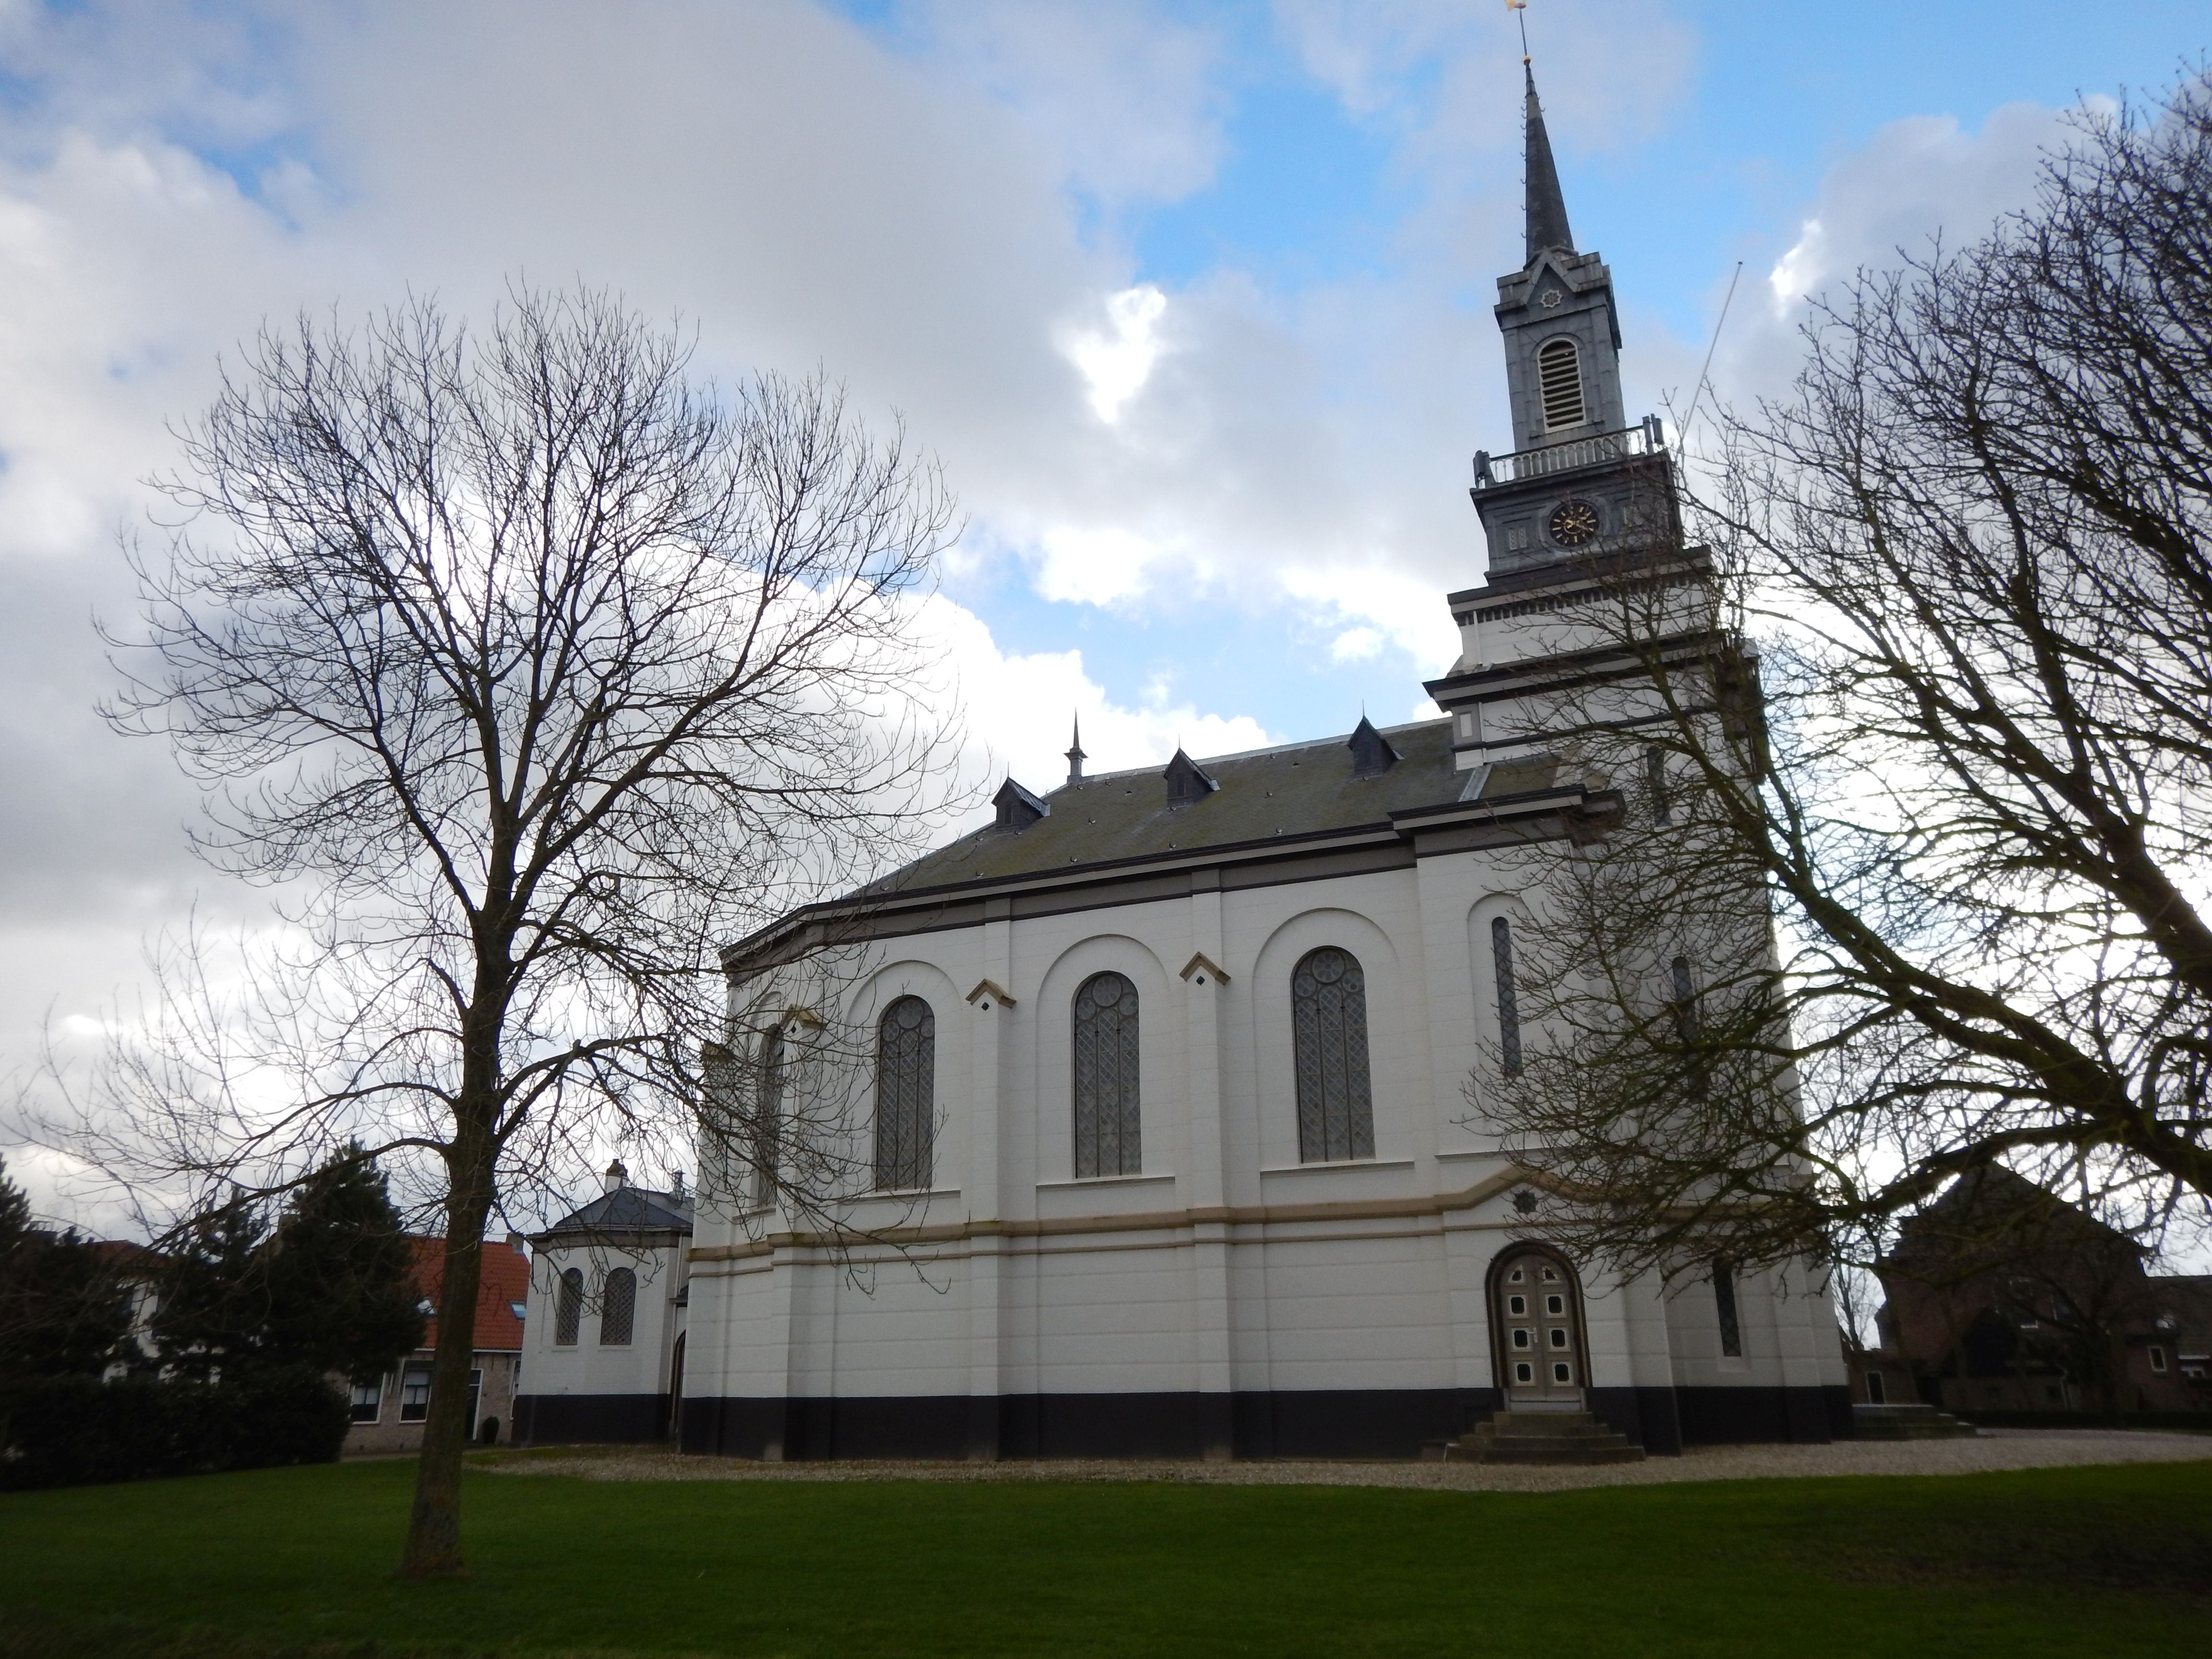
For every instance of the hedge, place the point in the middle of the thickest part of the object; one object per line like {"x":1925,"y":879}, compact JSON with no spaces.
{"x":76,"y":1430}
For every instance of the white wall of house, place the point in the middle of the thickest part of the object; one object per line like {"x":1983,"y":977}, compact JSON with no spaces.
{"x":590,"y":1365}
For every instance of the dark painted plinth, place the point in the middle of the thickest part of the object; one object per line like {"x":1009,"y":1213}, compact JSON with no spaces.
{"x":570,"y":1419}
{"x":1349,"y":1423}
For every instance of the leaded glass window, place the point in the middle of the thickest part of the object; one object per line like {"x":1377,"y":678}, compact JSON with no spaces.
{"x":767,"y":1108}
{"x":1108,"y":1121}
{"x":906,"y":1094}
{"x":569,"y":1308}
{"x":618,"y":1309}
{"x":1508,"y":1001}
{"x":1329,"y":1020}
{"x":1724,"y":1306}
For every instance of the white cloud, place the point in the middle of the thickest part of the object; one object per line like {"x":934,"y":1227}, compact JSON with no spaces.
{"x":1355,"y":645}
{"x":1116,"y":363}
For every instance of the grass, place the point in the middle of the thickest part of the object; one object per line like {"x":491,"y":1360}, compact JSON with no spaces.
{"x":287,"y":1563}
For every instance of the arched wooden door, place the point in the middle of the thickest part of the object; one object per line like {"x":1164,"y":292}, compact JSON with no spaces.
{"x":1536,"y":1324}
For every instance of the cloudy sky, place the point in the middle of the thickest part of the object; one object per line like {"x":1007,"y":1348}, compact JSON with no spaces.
{"x":1191,"y":299}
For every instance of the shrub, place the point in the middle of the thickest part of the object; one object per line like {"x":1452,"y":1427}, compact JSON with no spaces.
{"x":78,"y":1430}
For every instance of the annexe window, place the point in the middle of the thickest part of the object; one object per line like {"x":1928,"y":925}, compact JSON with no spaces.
{"x":1329,"y":1026}
{"x":617,"y":1309}
{"x":1509,"y":1001}
{"x":569,"y":1308}
{"x":905,"y":1095}
{"x":1724,"y":1304}
{"x":1559,"y":383}
{"x":1655,"y":779}
{"x":1108,"y":1120}
{"x":1687,"y":1027}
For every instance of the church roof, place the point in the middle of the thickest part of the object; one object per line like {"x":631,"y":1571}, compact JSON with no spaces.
{"x":1297,"y":790}
{"x":1545,"y":207}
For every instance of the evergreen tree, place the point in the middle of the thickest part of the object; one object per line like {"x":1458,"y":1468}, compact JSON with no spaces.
{"x":329,"y":1285}
{"x":61,"y":1311}
{"x":342,"y":1293}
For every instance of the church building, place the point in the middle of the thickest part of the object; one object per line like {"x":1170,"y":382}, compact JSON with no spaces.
{"x":1164,"y":1105}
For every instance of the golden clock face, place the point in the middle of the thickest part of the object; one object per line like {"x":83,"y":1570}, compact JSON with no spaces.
{"x":1572,"y":523}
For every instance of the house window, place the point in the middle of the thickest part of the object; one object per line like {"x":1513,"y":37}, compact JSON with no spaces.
{"x":1724,"y":1305}
{"x":569,"y":1308}
{"x":1508,"y":1001}
{"x":617,"y":1309}
{"x":415,"y":1392}
{"x":1108,"y":1139}
{"x":1560,"y":378}
{"x":2157,"y":1358}
{"x":906,"y":1094}
{"x":768,"y":1108}
{"x":1877,"y":1390}
{"x":369,"y":1401}
{"x":1329,"y":1023}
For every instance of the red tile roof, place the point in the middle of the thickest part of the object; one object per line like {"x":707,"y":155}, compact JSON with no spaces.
{"x":505,"y":1282}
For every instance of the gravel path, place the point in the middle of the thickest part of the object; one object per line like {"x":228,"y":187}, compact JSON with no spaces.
{"x":1995,"y":1449}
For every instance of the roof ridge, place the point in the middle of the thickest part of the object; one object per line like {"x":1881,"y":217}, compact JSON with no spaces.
{"x":1333,"y":740}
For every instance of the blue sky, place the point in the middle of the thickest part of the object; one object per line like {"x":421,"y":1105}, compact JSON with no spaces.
{"x":1191,"y":300}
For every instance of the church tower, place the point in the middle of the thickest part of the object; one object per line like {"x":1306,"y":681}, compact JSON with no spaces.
{"x":1583,"y":492}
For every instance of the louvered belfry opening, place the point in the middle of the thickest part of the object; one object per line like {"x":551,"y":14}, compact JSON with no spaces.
{"x":905,"y":1095}
{"x":1328,"y":1021}
{"x":1109,"y":1120}
{"x":1560,"y":382}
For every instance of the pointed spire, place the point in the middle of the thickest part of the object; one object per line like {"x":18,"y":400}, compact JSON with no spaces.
{"x":1076,"y":757}
{"x":1546,"y":207}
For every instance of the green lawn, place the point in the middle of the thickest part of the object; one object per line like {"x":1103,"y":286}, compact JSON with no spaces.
{"x":2108,"y":1561}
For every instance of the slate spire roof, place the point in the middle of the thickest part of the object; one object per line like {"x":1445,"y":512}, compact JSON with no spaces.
{"x":1547,"y":208}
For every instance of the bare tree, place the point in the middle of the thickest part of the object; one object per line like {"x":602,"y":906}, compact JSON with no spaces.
{"x":531,"y":672}
{"x":1907,"y":765}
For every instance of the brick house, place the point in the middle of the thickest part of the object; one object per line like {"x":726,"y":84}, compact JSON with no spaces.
{"x":2003,"y":1298}
{"x":388,"y":1414}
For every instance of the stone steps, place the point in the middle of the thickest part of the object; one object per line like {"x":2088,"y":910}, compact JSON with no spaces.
{"x":1570,"y":1437}
{"x":1908,"y":1423}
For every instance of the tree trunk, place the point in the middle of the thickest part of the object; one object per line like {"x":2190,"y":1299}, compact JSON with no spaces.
{"x":434,"y":1530}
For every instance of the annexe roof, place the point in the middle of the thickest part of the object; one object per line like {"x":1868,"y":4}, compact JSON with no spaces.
{"x":626,"y":1209}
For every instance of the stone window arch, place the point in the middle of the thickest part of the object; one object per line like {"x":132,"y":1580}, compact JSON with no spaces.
{"x":1559,"y":384}
{"x":1329,"y":1023}
{"x":1108,"y":1118}
{"x":905,"y":1095}
{"x":568,"y":1308}
{"x":618,"y":1309}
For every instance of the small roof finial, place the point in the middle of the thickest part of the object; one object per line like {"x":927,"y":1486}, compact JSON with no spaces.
{"x":1075,"y":754}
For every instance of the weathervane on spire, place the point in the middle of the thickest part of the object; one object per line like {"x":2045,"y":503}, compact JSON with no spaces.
{"x":1521,"y":7}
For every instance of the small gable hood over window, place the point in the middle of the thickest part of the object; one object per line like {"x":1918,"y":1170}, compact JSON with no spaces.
{"x":1186,"y":780}
{"x":1371,"y":753}
{"x":1018,"y":807}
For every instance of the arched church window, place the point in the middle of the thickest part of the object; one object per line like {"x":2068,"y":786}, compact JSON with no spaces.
{"x":1328,"y":1024}
{"x":1724,"y":1308}
{"x":618,"y":1309}
{"x":906,"y":1094}
{"x":1108,"y":1121}
{"x":767,"y":1108}
{"x":1559,"y":384}
{"x":569,"y":1308}
{"x":1509,"y":1001}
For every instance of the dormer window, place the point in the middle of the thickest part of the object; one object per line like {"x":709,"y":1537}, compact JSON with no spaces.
{"x":1560,"y":382}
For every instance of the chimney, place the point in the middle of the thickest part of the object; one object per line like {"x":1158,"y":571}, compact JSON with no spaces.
{"x":514,"y":1242}
{"x":618,"y":1176}
{"x":676,"y":1186}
